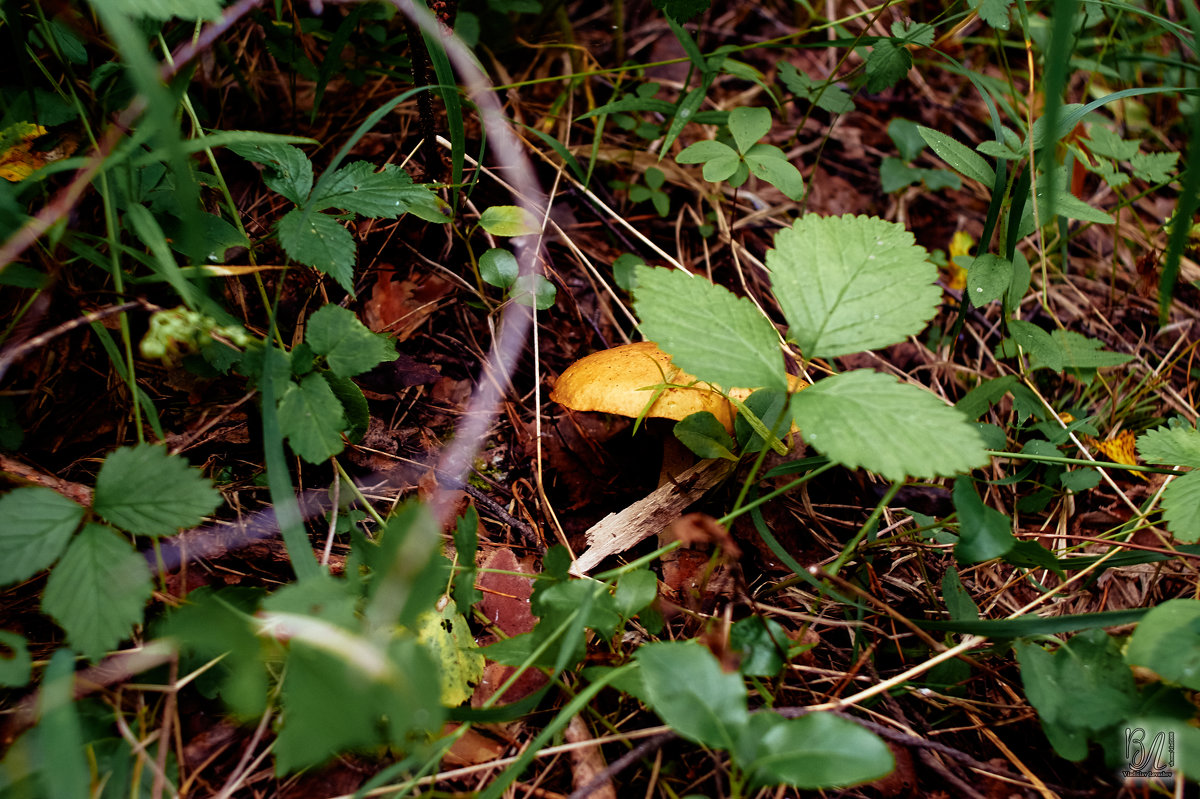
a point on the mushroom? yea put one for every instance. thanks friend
(621, 381)
(617, 381)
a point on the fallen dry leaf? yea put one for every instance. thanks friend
(400, 307)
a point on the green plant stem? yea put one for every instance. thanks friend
(1021, 456)
(358, 494)
(867, 526)
(727, 518)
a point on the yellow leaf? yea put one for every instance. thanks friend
(960, 244)
(1122, 448)
(448, 638)
(18, 159)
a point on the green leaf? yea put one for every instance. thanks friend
(98, 590)
(318, 240)
(291, 172)
(624, 269)
(499, 267)
(988, 277)
(993, 12)
(1037, 343)
(960, 157)
(817, 750)
(1175, 446)
(869, 419)
(708, 331)
(354, 405)
(311, 419)
(535, 291)
(767, 162)
(60, 746)
(1107, 144)
(1181, 507)
(1167, 641)
(333, 702)
(763, 644)
(691, 694)
(748, 125)
(163, 9)
(348, 346)
(894, 174)
(635, 590)
(146, 491)
(1079, 690)
(720, 160)
(218, 624)
(887, 64)
(907, 138)
(959, 603)
(851, 283)
(1081, 352)
(508, 220)
(681, 10)
(15, 667)
(386, 194)
(984, 533)
(1066, 205)
(35, 525)
(824, 95)
(705, 436)
(1154, 167)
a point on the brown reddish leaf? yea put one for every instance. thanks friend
(587, 761)
(506, 604)
(695, 582)
(400, 307)
(903, 779)
(700, 528)
(472, 748)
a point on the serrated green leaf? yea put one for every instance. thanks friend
(748, 125)
(1167, 641)
(386, 194)
(988, 277)
(1037, 343)
(767, 162)
(348, 346)
(146, 491)
(993, 12)
(869, 419)
(709, 332)
(959, 156)
(851, 283)
(290, 173)
(498, 267)
(817, 750)
(887, 64)
(690, 692)
(195, 10)
(624, 270)
(1103, 142)
(354, 405)
(984, 533)
(1154, 167)
(311, 419)
(35, 525)
(1174, 446)
(1081, 352)
(705, 436)
(1181, 507)
(508, 220)
(98, 590)
(318, 240)
(985, 395)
